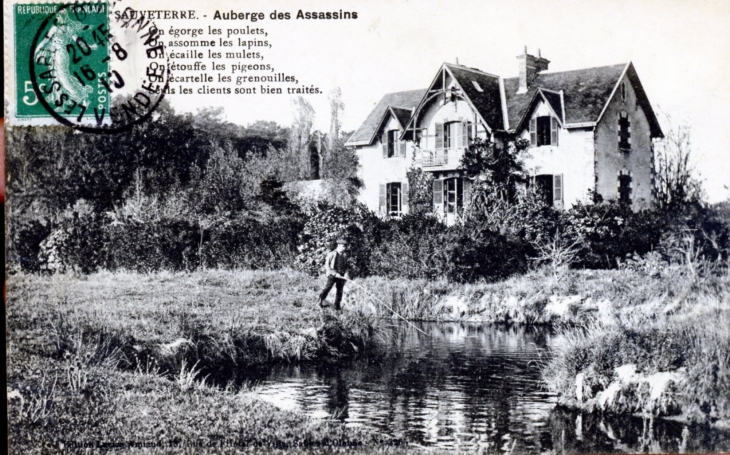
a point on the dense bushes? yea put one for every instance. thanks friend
(609, 232)
(94, 242)
(24, 244)
(497, 242)
(421, 246)
(357, 225)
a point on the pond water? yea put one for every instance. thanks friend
(467, 387)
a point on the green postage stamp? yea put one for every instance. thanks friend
(67, 61)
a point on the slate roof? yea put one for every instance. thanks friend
(586, 92)
(554, 100)
(488, 102)
(403, 100)
(403, 115)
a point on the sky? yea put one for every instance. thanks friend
(680, 48)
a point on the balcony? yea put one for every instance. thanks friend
(441, 158)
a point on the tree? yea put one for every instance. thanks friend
(676, 185)
(300, 135)
(336, 106)
(420, 190)
(496, 170)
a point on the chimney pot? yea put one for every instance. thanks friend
(530, 67)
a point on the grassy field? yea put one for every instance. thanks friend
(120, 358)
(144, 358)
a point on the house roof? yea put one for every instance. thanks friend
(401, 100)
(585, 91)
(585, 95)
(488, 101)
(555, 102)
(402, 115)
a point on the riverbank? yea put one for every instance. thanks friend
(126, 358)
(650, 338)
(136, 347)
(664, 353)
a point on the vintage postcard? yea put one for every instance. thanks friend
(357, 227)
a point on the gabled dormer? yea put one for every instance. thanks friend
(544, 118)
(391, 129)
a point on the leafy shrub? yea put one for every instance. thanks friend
(24, 244)
(93, 242)
(357, 225)
(610, 232)
(252, 244)
(475, 253)
(421, 246)
(704, 230)
(412, 247)
(165, 245)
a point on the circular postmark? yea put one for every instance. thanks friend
(85, 55)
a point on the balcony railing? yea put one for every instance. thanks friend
(433, 161)
(440, 157)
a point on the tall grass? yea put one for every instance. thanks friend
(666, 353)
(131, 357)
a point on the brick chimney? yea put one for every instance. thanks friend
(530, 67)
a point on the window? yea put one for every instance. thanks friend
(544, 131)
(624, 187)
(453, 135)
(623, 91)
(550, 188)
(624, 131)
(394, 198)
(449, 193)
(391, 145)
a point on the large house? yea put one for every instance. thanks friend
(590, 129)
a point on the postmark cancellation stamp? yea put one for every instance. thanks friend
(67, 62)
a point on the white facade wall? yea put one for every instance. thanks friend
(437, 112)
(376, 170)
(573, 157)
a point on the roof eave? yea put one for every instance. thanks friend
(357, 143)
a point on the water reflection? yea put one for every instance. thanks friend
(468, 387)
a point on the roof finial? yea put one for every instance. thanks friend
(457, 60)
(538, 53)
(525, 49)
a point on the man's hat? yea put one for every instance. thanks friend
(342, 241)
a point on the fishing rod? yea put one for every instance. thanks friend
(386, 306)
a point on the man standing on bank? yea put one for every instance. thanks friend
(336, 268)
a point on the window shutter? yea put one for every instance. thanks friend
(438, 192)
(439, 136)
(533, 131)
(404, 197)
(402, 148)
(467, 192)
(558, 190)
(382, 198)
(384, 140)
(553, 131)
(465, 134)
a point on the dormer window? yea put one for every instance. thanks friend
(544, 131)
(624, 132)
(391, 145)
